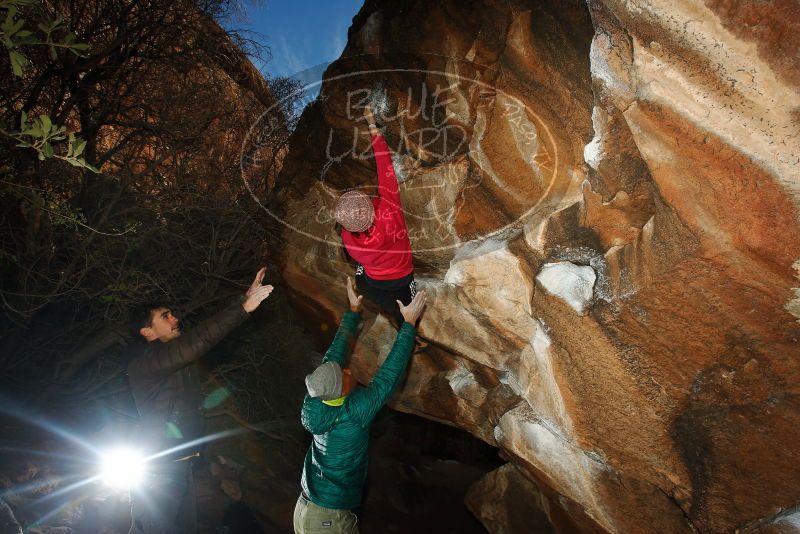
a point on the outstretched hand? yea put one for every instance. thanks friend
(414, 309)
(256, 293)
(355, 299)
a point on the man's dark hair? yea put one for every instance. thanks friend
(142, 317)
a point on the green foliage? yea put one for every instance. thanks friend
(40, 133)
(17, 62)
(14, 35)
(65, 214)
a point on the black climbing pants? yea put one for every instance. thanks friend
(385, 293)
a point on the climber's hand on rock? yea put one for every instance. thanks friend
(369, 114)
(413, 311)
(355, 299)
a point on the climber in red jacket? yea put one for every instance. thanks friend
(374, 234)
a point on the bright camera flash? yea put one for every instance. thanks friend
(122, 468)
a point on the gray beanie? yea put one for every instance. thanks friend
(325, 382)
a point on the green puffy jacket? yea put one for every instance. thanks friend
(336, 463)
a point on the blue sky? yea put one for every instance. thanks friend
(301, 33)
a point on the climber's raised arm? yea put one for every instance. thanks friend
(388, 187)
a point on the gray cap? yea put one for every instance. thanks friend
(325, 382)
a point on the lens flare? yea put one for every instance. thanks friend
(122, 468)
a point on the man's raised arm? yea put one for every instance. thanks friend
(340, 347)
(166, 358)
(368, 401)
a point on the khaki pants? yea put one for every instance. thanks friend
(312, 519)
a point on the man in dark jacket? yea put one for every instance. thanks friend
(166, 388)
(339, 417)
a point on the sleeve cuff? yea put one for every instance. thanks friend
(240, 312)
(408, 329)
(351, 319)
(378, 139)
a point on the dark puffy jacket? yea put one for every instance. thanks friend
(336, 463)
(166, 386)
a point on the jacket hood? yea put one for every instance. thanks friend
(318, 417)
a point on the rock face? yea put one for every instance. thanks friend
(603, 202)
(573, 283)
(506, 502)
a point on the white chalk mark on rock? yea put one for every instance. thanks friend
(574, 284)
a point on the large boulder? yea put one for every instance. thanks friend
(603, 202)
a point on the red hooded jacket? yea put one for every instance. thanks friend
(384, 249)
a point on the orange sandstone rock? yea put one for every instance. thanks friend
(654, 144)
